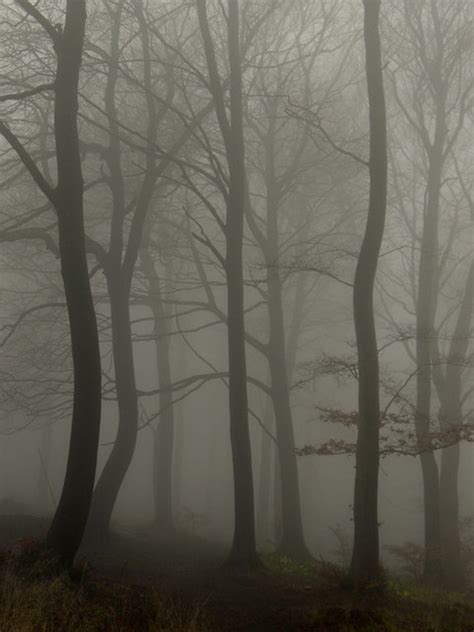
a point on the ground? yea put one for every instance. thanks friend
(140, 582)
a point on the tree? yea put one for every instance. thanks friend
(449, 386)
(164, 432)
(243, 552)
(433, 99)
(365, 556)
(67, 528)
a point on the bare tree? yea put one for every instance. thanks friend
(365, 557)
(243, 551)
(66, 531)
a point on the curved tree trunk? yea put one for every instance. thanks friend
(116, 467)
(365, 557)
(67, 528)
(68, 525)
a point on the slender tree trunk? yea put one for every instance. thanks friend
(178, 444)
(67, 528)
(264, 478)
(425, 337)
(365, 557)
(163, 483)
(211, 475)
(243, 546)
(116, 467)
(165, 439)
(292, 543)
(243, 551)
(296, 325)
(277, 499)
(47, 500)
(451, 417)
(164, 433)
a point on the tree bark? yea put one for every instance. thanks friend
(67, 528)
(243, 551)
(116, 467)
(365, 557)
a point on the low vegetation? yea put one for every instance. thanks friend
(282, 596)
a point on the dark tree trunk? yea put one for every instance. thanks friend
(365, 558)
(116, 467)
(67, 528)
(243, 552)
(243, 546)
(118, 273)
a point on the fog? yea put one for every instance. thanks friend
(237, 280)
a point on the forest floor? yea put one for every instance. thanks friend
(147, 584)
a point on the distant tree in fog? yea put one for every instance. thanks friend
(433, 89)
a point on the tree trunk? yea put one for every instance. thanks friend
(264, 478)
(243, 551)
(178, 444)
(116, 467)
(365, 557)
(163, 483)
(46, 498)
(164, 433)
(277, 509)
(292, 542)
(68, 525)
(451, 417)
(425, 336)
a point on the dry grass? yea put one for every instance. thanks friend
(284, 596)
(33, 601)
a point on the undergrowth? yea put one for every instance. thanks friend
(294, 596)
(33, 600)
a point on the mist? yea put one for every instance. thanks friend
(237, 294)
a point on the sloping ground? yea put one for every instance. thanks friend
(272, 600)
(145, 583)
(19, 527)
